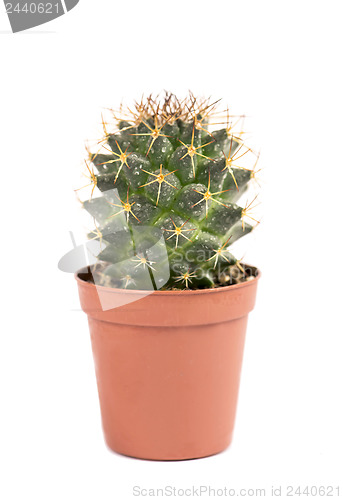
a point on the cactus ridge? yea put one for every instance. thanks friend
(163, 167)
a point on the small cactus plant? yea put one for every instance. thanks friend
(164, 170)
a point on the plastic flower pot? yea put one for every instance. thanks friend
(168, 366)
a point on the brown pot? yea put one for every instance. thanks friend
(168, 366)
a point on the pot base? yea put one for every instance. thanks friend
(168, 458)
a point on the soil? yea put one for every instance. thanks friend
(236, 274)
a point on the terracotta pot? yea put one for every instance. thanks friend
(168, 366)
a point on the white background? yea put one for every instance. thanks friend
(280, 63)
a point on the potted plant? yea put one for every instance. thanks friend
(166, 300)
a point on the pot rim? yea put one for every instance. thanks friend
(201, 291)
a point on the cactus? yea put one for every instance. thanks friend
(163, 170)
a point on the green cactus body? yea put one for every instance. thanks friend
(165, 171)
